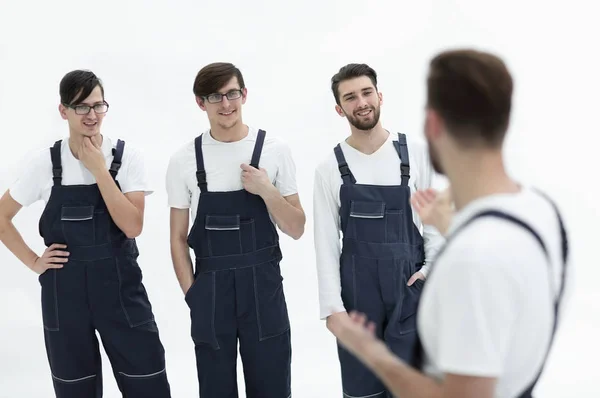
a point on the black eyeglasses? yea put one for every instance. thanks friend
(85, 109)
(218, 97)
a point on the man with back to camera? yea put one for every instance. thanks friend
(240, 184)
(363, 188)
(94, 189)
(491, 306)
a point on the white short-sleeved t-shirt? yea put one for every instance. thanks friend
(487, 307)
(35, 180)
(222, 161)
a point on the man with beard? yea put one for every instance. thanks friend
(490, 310)
(363, 189)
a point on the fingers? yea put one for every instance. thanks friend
(414, 277)
(55, 246)
(246, 167)
(53, 266)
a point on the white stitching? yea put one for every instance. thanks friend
(143, 376)
(365, 396)
(74, 380)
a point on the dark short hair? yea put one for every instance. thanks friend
(472, 92)
(351, 71)
(214, 76)
(77, 85)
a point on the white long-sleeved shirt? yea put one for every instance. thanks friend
(380, 168)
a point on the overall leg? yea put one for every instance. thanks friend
(264, 328)
(361, 291)
(214, 331)
(71, 343)
(124, 319)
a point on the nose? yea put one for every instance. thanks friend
(361, 103)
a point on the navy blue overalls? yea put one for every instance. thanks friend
(528, 393)
(381, 250)
(238, 293)
(99, 288)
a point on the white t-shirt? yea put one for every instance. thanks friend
(35, 180)
(380, 168)
(222, 162)
(487, 308)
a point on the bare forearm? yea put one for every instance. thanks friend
(182, 262)
(124, 213)
(14, 242)
(402, 380)
(290, 219)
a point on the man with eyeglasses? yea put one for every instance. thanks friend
(240, 185)
(94, 190)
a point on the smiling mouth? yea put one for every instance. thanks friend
(227, 113)
(90, 124)
(364, 113)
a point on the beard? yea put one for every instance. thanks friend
(434, 159)
(365, 125)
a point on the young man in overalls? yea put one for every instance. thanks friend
(491, 306)
(240, 185)
(363, 189)
(94, 189)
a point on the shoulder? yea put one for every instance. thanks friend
(184, 152)
(273, 142)
(327, 166)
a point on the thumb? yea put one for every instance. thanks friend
(411, 280)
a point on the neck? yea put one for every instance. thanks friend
(76, 140)
(478, 175)
(369, 141)
(236, 133)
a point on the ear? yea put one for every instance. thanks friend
(63, 111)
(200, 103)
(380, 95)
(244, 95)
(340, 111)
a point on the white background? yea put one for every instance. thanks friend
(148, 52)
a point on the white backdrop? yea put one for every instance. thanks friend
(148, 52)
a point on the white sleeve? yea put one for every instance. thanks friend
(135, 179)
(476, 307)
(432, 238)
(178, 194)
(34, 176)
(285, 180)
(327, 247)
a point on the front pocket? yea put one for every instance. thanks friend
(271, 308)
(78, 225)
(133, 295)
(367, 221)
(48, 283)
(406, 321)
(229, 235)
(201, 299)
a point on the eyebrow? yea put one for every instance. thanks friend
(353, 92)
(86, 104)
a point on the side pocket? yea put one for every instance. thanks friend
(348, 282)
(201, 299)
(133, 295)
(48, 282)
(271, 307)
(78, 225)
(401, 333)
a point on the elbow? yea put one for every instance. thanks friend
(297, 230)
(134, 231)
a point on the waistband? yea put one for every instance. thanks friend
(383, 250)
(102, 252)
(237, 261)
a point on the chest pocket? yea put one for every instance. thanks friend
(78, 225)
(229, 235)
(374, 222)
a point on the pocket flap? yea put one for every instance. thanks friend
(367, 209)
(77, 213)
(222, 223)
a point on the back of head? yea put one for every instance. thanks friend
(472, 93)
(77, 85)
(211, 78)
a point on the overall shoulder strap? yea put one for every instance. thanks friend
(56, 162)
(117, 158)
(347, 176)
(402, 149)
(200, 172)
(260, 140)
